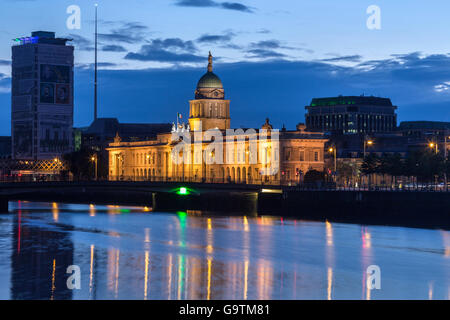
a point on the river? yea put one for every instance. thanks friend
(133, 253)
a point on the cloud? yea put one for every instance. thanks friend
(5, 62)
(276, 44)
(264, 31)
(266, 44)
(443, 87)
(215, 38)
(353, 58)
(113, 48)
(214, 4)
(167, 50)
(100, 65)
(81, 43)
(127, 32)
(266, 49)
(273, 88)
(263, 53)
(235, 6)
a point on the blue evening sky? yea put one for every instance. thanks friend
(272, 56)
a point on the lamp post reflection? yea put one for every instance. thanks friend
(430, 291)
(55, 212)
(91, 271)
(209, 251)
(91, 210)
(329, 252)
(246, 255)
(366, 252)
(146, 276)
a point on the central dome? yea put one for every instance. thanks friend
(209, 86)
(209, 80)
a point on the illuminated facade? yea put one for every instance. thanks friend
(217, 153)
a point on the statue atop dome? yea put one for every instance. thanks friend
(210, 62)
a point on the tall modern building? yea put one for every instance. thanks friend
(42, 96)
(351, 114)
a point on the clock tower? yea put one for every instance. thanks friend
(209, 110)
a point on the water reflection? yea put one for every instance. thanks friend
(366, 259)
(38, 266)
(329, 256)
(134, 253)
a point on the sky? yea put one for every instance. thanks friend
(273, 56)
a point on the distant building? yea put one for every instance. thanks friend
(424, 129)
(5, 147)
(42, 97)
(102, 131)
(351, 115)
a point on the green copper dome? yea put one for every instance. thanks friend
(210, 80)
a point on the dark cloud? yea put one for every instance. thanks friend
(353, 58)
(113, 48)
(196, 3)
(231, 46)
(81, 43)
(266, 44)
(275, 88)
(210, 3)
(266, 49)
(264, 53)
(215, 38)
(91, 66)
(235, 6)
(127, 32)
(275, 44)
(167, 50)
(5, 62)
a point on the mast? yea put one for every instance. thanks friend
(95, 67)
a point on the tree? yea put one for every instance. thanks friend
(396, 167)
(425, 165)
(346, 171)
(80, 164)
(370, 165)
(314, 177)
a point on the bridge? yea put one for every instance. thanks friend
(407, 208)
(166, 196)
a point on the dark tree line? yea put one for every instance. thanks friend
(82, 167)
(426, 166)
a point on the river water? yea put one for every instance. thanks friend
(134, 253)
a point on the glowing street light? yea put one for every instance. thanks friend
(94, 160)
(367, 143)
(333, 151)
(434, 146)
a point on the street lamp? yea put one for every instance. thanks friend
(95, 161)
(434, 146)
(333, 150)
(367, 143)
